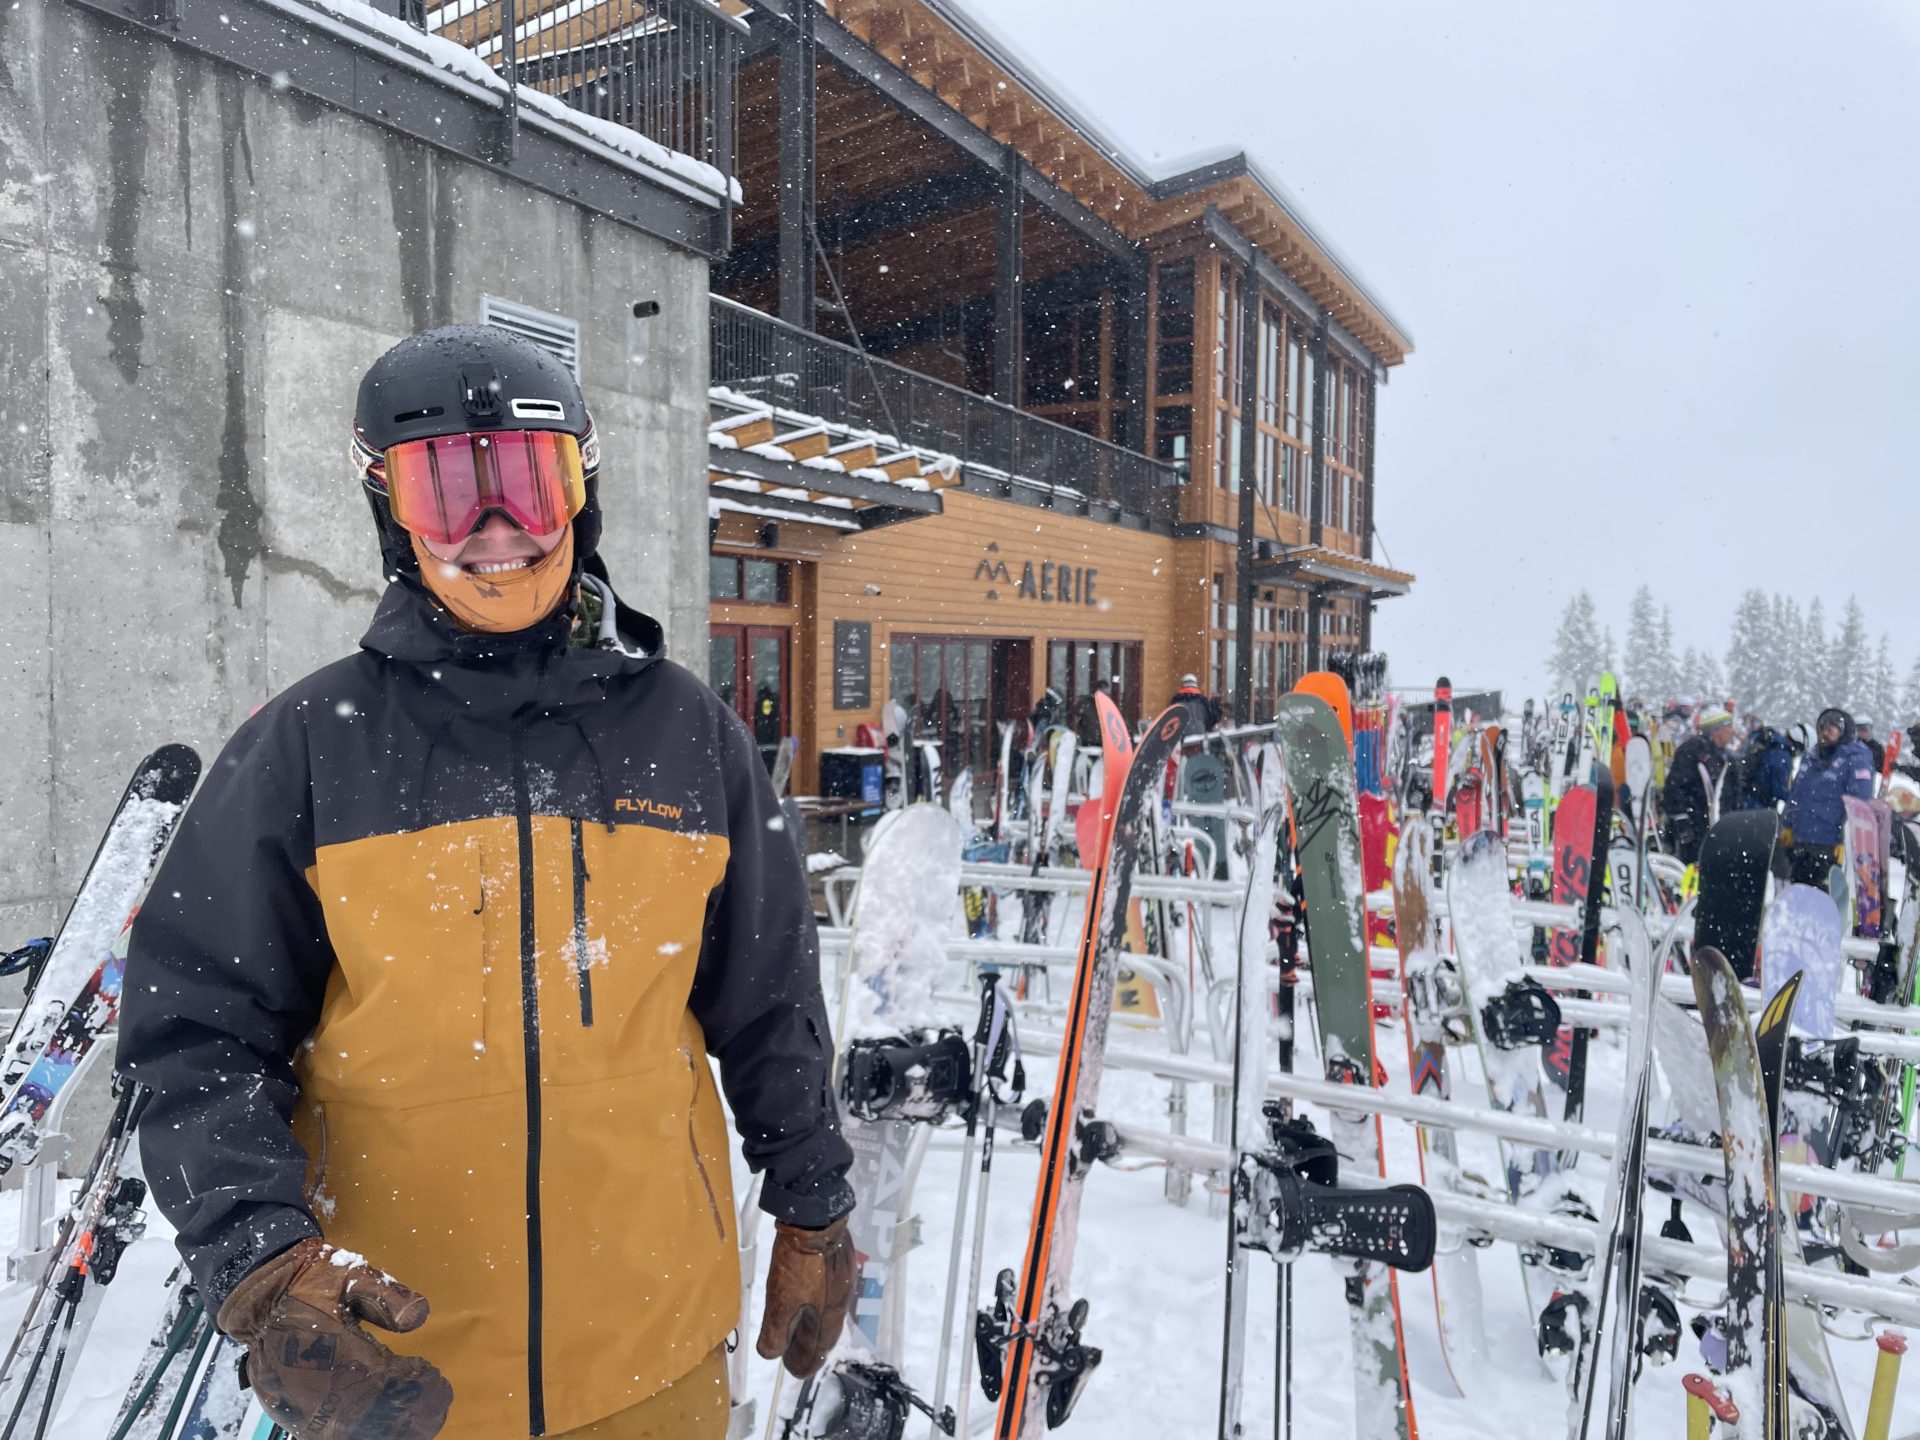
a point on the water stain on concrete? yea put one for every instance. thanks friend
(126, 98)
(240, 534)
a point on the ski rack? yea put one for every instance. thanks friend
(1501, 1221)
(1168, 979)
(34, 1241)
(1562, 917)
(1892, 1197)
(1058, 879)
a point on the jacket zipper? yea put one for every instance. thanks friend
(582, 963)
(693, 1143)
(530, 1034)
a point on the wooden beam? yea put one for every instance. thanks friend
(751, 432)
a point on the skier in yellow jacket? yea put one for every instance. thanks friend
(433, 970)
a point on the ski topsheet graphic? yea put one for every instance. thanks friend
(1327, 826)
(76, 993)
(1045, 1362)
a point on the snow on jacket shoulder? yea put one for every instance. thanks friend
(434, 965)
(1815, 812)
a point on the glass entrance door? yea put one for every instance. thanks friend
(747, 668)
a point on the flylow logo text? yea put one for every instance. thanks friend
(648, 807)
(1052, 581)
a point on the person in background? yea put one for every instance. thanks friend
(1190, 693)
(1049, 710)
(1687, 799)
(1863, 732)
(1763, 775)
(1837, 766)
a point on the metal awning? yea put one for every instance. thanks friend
(1330, 572)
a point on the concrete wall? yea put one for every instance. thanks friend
(195, 268)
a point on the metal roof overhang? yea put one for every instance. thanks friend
(1329, 572)
(875, 502)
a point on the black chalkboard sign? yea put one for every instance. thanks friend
(852, 664)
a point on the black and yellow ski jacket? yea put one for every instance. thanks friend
(434, 966)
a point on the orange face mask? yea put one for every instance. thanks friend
(499, 604)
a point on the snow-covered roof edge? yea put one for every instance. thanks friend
(458, 68)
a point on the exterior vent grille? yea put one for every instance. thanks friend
(557, 335)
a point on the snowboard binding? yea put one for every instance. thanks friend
(924, 1077)
(1288, 1200)
(875, 1404)
(1437, 1000)
(1559, 1259)
(1563, 1327)
(1062, 1362)
(1523, 1014)
(1659, 1321)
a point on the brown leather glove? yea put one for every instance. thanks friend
(315, 1370)
(809, 1288)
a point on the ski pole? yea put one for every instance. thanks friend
(989, 983)
(1886, 1375)
(1707, 1403)
(208, 1336)
(176, 1341)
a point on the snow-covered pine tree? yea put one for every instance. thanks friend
(1608, 654)
(1786, 643)
(1640, 665)
(1713, 681)
(1816, 662)
(1577, 658)
(1884, 690)
(1664, 682)
(1850, 674)
(1909, 710)
(1687, 676)
(1752, 655)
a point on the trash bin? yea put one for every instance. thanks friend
(852, 772)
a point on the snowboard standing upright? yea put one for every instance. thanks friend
(1327, 826)
(1756, 1302)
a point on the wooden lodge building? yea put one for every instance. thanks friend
(994, 409)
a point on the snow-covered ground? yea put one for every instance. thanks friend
(1152, 1273)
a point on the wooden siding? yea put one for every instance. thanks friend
(927, 575)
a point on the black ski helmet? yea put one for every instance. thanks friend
(454, 380)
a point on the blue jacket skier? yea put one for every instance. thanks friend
(1837, 766)
(1764, 774)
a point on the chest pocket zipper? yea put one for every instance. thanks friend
(582, 961)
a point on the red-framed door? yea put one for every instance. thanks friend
(748, 667)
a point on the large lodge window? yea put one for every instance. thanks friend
(1075, 667)
(1173, 324)
(944, 683)
(1173, 361)
(737, 578)
(1279, 646)
(1345, 419)
(1226, 380)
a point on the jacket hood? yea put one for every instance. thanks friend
(1833, 715)
(410, 625)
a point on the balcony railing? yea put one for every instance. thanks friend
(664, 68)
(769, 360)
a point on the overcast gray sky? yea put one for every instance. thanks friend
(1658, 260)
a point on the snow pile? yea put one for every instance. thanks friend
(903, 915)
